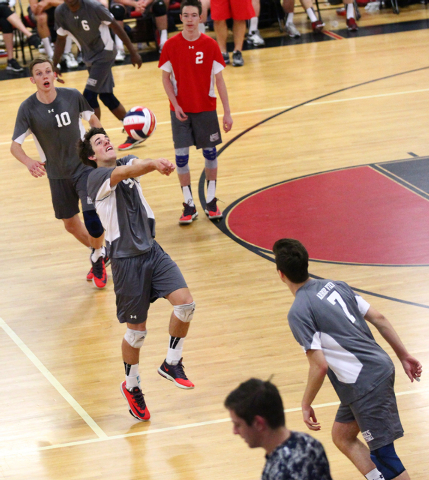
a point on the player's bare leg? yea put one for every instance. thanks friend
(75, 226)
(190, 212)
(221, 30)
(119, 112)
(130, 388)
(345, 438)
(172, 367)
(239, 30)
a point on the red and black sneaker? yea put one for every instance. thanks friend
(212, 210)
(189, 214)
(90, 274)
(352, 25)
(135, 399)
(130, 143)
(99, 275)
(176, 374)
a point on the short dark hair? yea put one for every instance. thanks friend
(85, 148)
(256, 397)
(36, 61)
(291, 259)
(191, 3)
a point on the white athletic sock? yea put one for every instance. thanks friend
(311, 15)
(175, 349)
(211, 190)
(97, 253)
(253, 24)
(187, 195)
(68, 46)
(119, 43)
(289, 18)
(202, 27)
(133, 377)
(47, 45)
(164, 37)
(374, 475)
(350, 11)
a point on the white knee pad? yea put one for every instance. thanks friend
(185, 312)
(135, 338)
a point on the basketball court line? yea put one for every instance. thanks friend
(101, 435)
(52, 380)
(271, 109)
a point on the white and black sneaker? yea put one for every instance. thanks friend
(237, 59)
(13, 66)
(70, 61)
(255, 39)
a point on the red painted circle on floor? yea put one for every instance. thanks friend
(356, 215)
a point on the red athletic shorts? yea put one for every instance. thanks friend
(236, 9)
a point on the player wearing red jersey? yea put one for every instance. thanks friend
(191, 64)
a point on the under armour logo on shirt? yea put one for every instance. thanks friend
(76, 18)
(191, 47)
(50, 111)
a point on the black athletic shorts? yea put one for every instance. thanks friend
(199, 129)
(67, 192)
(141, 280)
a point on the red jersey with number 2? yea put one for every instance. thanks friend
(192, 67)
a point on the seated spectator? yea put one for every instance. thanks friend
(288, 7)
(254, 38)
(8, 21)
(122, 9)
(43, 14)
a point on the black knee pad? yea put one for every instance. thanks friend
(93, 223)
(118, 11)
(158, 8)
(109, 100)
(91, 98)
(387, 462)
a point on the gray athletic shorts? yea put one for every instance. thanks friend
(66, 193)
(377, 415)
(141, 280)
(199, 129)
(100, 78)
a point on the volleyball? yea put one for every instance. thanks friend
(139, 123)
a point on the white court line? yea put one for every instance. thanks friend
(53, 381)
(366, 97)
(104, 437)
(288, 106)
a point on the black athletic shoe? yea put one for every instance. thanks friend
(34, 40)
(212, 210)
(14, 66)
(189, 214)
(176, 374)
(99, 275)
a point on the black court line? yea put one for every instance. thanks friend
(221, 225)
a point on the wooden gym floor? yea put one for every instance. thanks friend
(61, 413)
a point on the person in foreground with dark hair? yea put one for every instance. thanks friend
(257, 414)
(142, 271)
(328, 320)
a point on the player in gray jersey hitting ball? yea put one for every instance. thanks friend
(142, 271)
(54, 117)
(328, 320)
(88, 22)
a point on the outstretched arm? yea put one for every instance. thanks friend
(223, 94)
(140, 167)
(412, 366)
(316, 376)
(36, 168)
